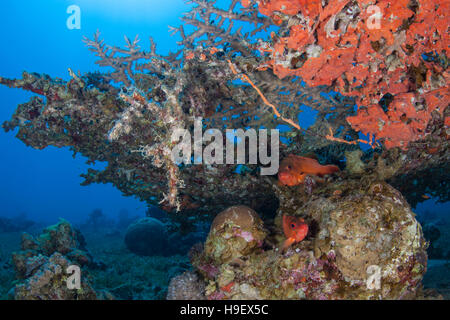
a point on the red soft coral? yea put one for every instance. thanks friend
(367, 49)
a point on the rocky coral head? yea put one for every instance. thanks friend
(242, 216)
(235, 232)
(42, 266)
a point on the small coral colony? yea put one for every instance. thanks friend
(335, 222)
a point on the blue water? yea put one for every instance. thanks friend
(45, 184)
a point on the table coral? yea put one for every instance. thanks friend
(125, 117)
(392, 81)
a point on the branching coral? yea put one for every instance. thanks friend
(167, 120)
(130, 64)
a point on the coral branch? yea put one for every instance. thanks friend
(245, 78)
(331, 137)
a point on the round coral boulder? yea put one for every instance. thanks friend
(377, 245)
(147, 237)
(235, 232)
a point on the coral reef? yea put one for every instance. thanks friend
(46, 280)
(130, 127)
(361, 229)
(364, 67)
(124, 274)
(41, 266)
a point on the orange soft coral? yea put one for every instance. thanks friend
(368, 49)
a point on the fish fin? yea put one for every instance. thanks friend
(301, 178)
(332, 168)
(328, 169)
(288, 242)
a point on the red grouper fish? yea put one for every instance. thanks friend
(295, 229)
(294, 169)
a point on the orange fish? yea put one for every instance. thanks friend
(295, 229)
(294, 169)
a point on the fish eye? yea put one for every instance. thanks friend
(292, 225)
(289, 167)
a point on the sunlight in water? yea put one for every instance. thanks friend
(155, 10)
